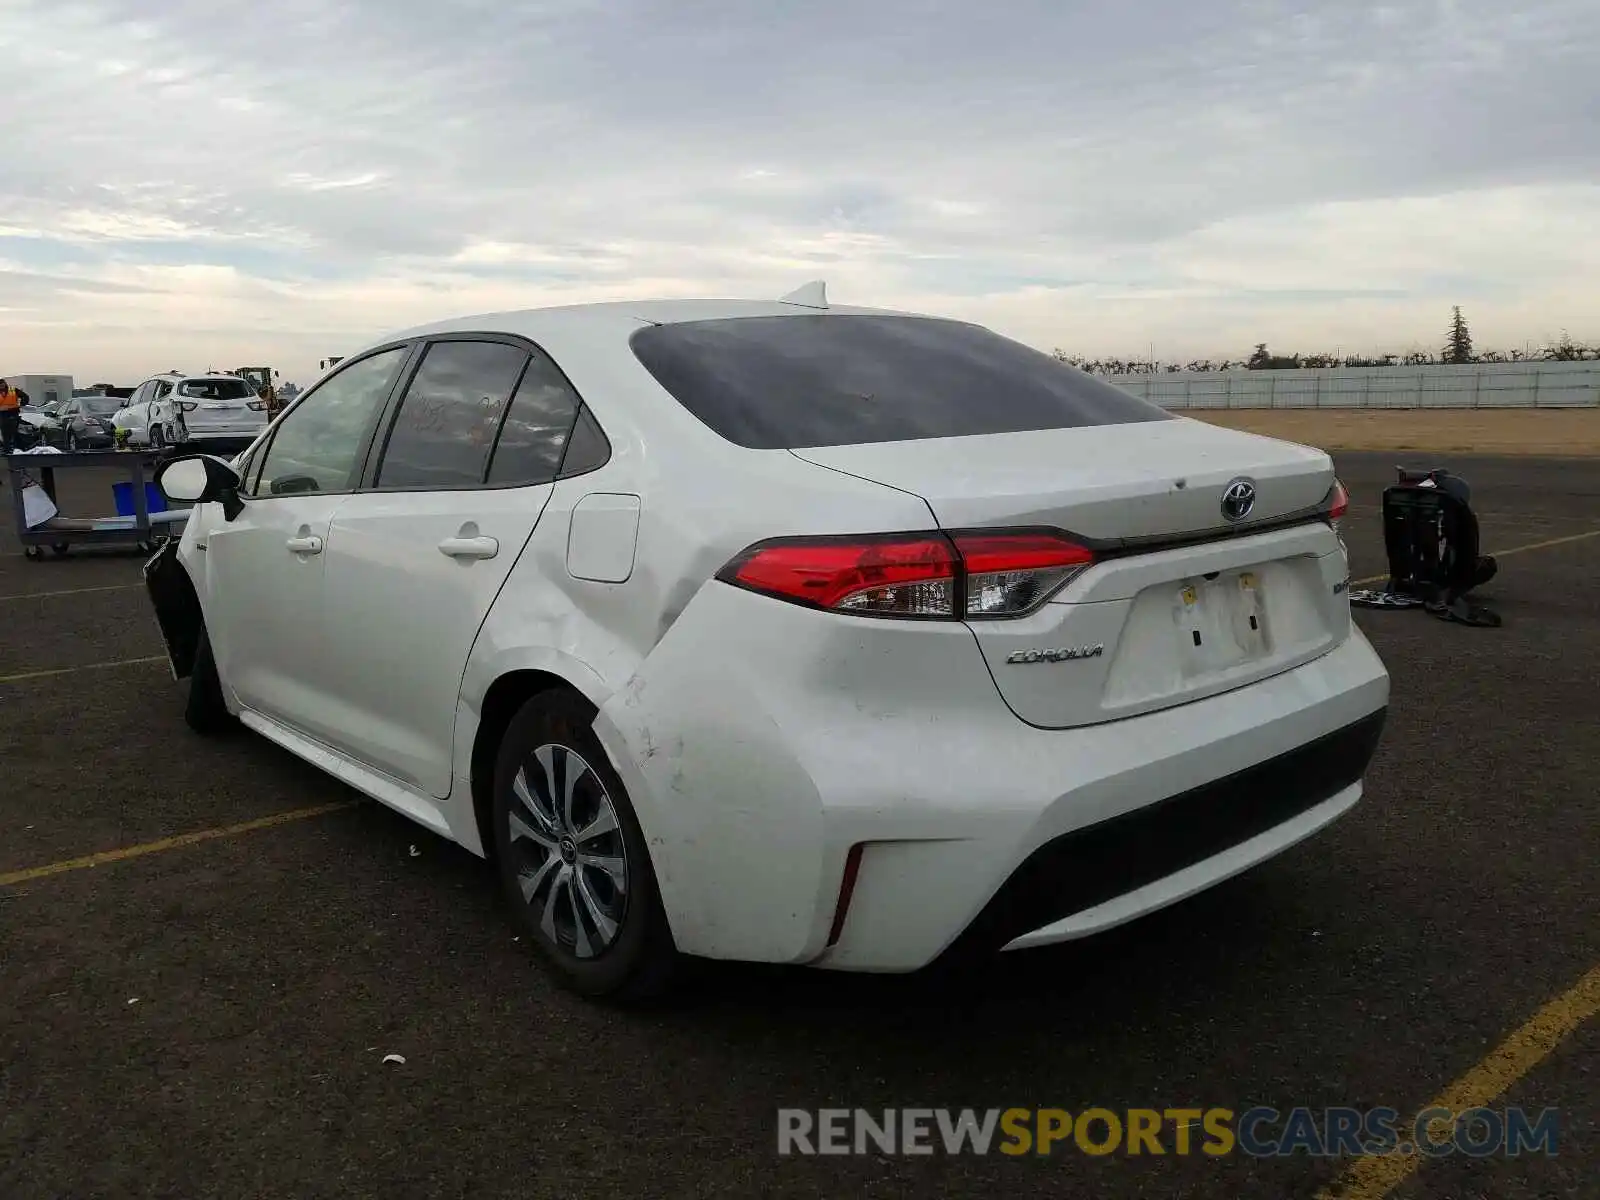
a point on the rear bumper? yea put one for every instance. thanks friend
(225, 435)
(1101, 875)
(761, 744)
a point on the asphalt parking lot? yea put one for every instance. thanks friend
(211, 1018)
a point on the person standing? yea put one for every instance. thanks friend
(10, 417)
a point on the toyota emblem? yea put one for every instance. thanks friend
(1238, 498)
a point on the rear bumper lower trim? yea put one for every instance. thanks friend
(1099, 863)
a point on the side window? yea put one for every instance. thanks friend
(442, 435)
(536, 429)
(163, 389)
(587, 449)
(319, 446)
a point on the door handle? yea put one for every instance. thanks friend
(311, 544)
(469, 547)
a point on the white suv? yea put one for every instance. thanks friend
(773, 631)
(174, 409)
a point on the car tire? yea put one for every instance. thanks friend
(206, 711)
(72, 441)
(157, 440)
(619, 946)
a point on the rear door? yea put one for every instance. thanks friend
(459, 481)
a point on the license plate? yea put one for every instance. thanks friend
(219, 407)
(1222, 622)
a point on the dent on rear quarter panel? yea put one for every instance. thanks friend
(677, 725)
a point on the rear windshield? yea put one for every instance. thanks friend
(101, 405)
(215, 389)
(773, 383)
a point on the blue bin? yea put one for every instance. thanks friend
(123, 493)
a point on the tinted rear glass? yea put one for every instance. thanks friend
(792, 382)
(216, 389)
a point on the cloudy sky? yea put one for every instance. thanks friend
(196, 183)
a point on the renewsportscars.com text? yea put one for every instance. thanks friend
(1260, 1132)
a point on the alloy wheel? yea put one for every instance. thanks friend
(571, 863)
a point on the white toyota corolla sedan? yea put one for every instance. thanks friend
(780, 631)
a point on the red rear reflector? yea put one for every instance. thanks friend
(847, 889)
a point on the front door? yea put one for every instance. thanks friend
(265, 575)
(265, 569)
(416, 561)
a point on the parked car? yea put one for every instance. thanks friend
(79, 423)
(780, 632)
(177, 409)
(132, 421)
(30, 429)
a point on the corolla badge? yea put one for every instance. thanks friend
(1238, 498)
(1058, 654)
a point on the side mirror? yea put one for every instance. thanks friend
(200, 479)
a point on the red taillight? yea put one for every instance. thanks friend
(911, 576)
(255, 405)
(188, 405)
(920, 575)
(1338, 502)
(1009, 574)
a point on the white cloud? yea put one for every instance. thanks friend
(193, 180)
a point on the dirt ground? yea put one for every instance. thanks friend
(1563, 432)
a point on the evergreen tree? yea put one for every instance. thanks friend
(1458, 347)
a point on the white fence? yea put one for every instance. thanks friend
(1478, 385)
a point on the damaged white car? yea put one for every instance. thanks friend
(781, 631)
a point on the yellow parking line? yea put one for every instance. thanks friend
(109, 587)
(1374, 1178)
(99, 666)
(172, 843)
(1560, 541)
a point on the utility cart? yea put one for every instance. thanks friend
(140, 528)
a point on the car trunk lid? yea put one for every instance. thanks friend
(1183, 601)
(1155, 480)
